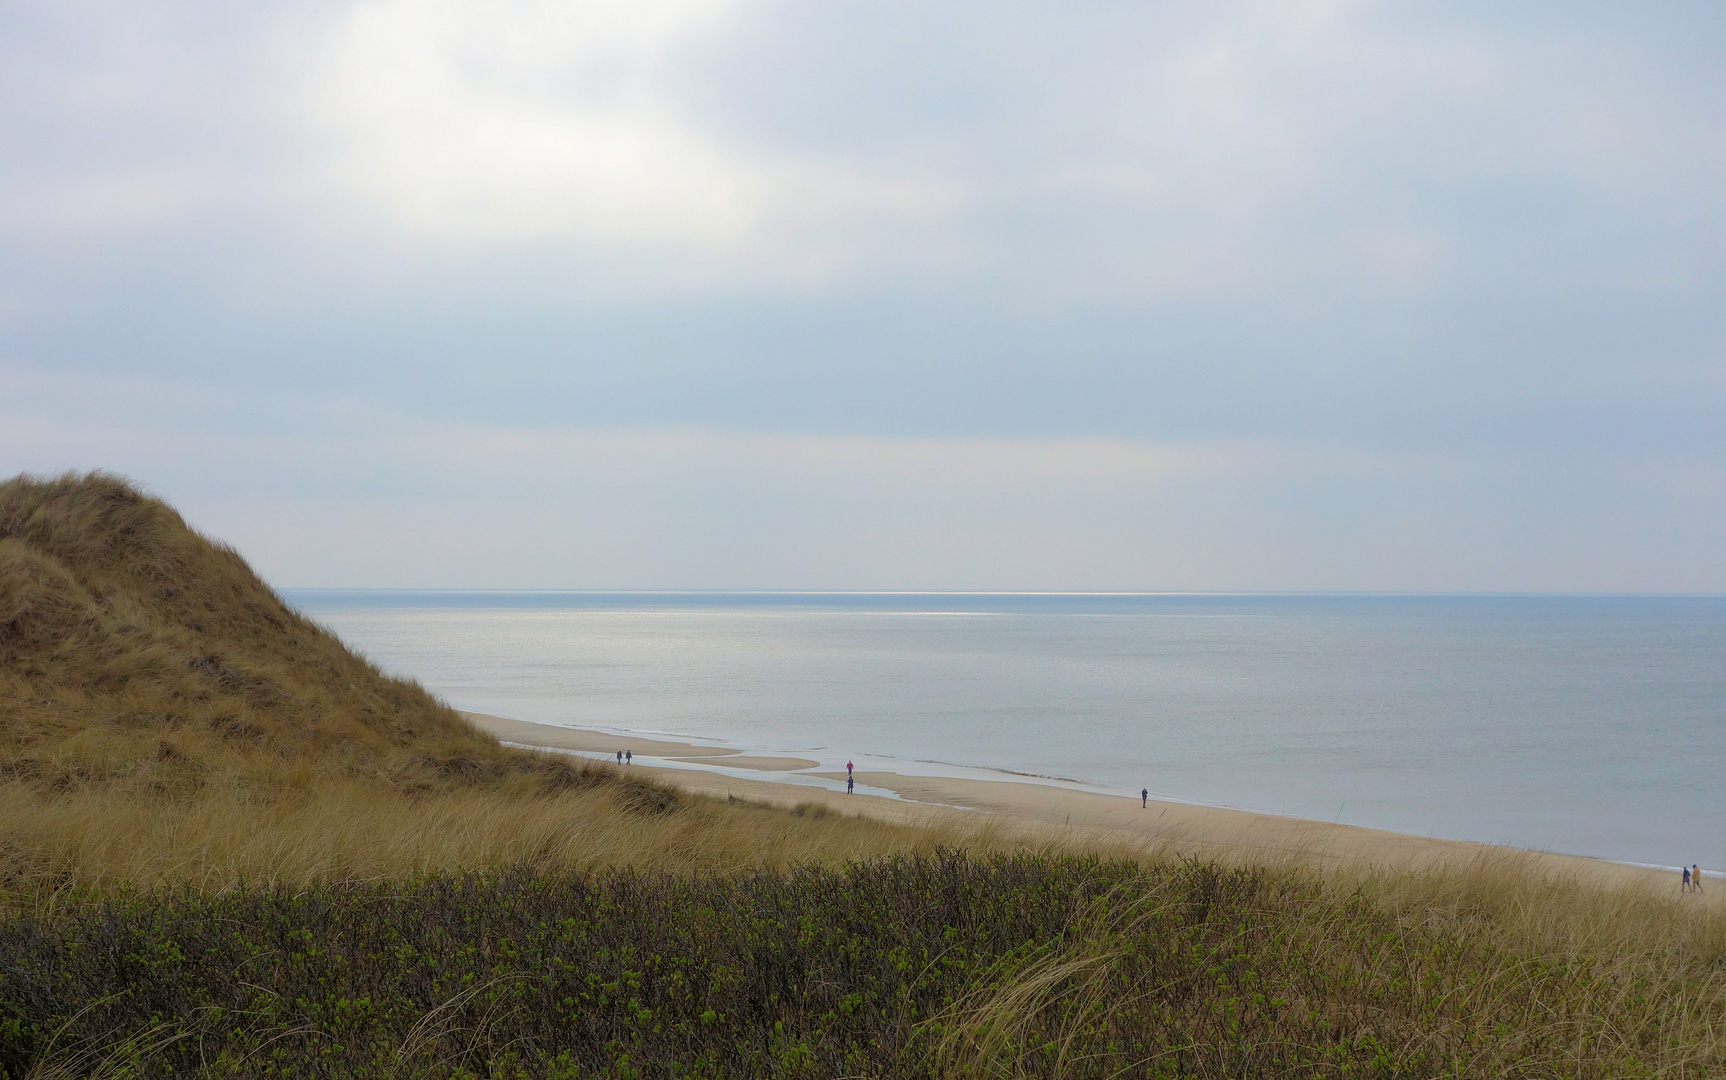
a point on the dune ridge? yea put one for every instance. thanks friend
(166, 717)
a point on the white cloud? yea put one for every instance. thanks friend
(527, 119)
(1106, 154)
(106, 204)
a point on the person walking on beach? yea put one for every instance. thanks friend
(847, 770)
(850, 783)
(620, 757)
(1686, 885)
(1145, 798)
(629, 757)
(1695, 877)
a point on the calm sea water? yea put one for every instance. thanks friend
(1588, 725)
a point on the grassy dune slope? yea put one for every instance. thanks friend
(164, 716)
(121, 626)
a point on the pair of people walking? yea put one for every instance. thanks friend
(1692, 878)
(625, 757)
(850, 781)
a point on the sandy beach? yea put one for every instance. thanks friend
(1039, 806)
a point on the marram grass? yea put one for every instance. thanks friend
(941, 965)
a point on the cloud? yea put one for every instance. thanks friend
(1099, 154)
(322, 495)
(1251, 293)
(527, 119)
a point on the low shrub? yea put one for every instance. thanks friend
(912, 966)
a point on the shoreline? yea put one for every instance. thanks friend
(1037, 804)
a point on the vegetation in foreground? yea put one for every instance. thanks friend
(899, 967)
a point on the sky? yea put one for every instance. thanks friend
(1283, 295)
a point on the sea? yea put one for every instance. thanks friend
(1591, 725)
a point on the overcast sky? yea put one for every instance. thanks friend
(845, 294)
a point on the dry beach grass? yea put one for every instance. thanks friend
(165, 718)
(230, 847)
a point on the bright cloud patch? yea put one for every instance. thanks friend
(525, 119)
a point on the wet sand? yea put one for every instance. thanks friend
(594, 742)
(749, 761)
(1048, 809)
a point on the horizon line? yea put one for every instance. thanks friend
(1003, 592)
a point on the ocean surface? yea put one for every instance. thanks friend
(1589, 725)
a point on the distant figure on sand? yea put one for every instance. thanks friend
(849, 783)
(1696, 877)
(847, 769)
(629, 757)
(1145, 797)
(1686, 885)
(620, 757)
